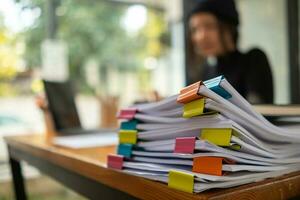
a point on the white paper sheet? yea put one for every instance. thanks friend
(87, 140)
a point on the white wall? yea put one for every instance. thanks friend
(264, 25)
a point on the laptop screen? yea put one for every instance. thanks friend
(61, 104)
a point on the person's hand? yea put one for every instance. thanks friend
(41, 102)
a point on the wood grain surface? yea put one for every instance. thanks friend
(91, 163)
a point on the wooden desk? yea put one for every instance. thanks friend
(278, 110)
(84, 171)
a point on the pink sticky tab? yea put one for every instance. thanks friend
(115, 161)
(185, 145)
(127, 113)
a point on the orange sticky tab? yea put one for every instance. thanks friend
(208, 165)
(190, 93)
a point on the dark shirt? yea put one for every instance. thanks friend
(249, 73)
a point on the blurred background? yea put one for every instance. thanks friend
(129, 50)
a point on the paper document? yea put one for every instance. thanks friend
(87, 140)
(207, 136)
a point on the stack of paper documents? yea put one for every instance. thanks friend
(207, 136)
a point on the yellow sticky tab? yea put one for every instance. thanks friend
(127, 136)
(193, 108)
(235, 147)
(181, 181)
(217, 136)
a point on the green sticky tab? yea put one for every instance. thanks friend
(127, 136)
(130, 125)
(125, 150)
(193, 108)
(217, 136)
(235, 147)
(181, 181)
(215, 85)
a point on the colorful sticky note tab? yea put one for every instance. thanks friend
(115, 161)
(125, 150)
(127, 136)
(235, 147)
(128, 113)
(181, 181)
(185, 145)
(208, 165)
(214, 85)
(189, 93)
(193, 108)
(129, 125)
(217, 136)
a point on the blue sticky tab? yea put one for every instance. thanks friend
(129, 125)
(214, 85)
(125, 150)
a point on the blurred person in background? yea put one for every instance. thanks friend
(213, 36)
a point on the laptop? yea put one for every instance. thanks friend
(61, 103)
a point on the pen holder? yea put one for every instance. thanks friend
(109, 108)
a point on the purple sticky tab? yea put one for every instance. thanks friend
(128, 113)
(115, 161)
(185, 145)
